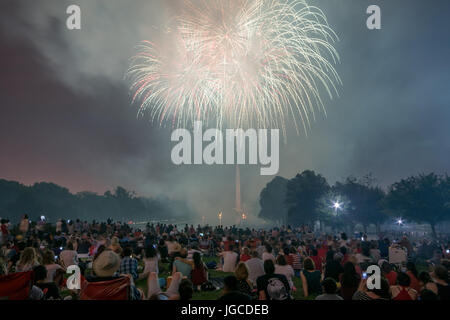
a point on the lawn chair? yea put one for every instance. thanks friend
(16, 286)
(116, 289)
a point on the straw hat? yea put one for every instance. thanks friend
(106, 264)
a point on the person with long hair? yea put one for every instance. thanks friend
(28, 260)
(311, 278)
(54, 270)
(350, 280)
(283, 268)
(199, 273)
(244, 285)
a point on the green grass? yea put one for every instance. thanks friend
(214, 295)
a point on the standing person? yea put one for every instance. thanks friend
(24, 224)
(59, 226)
(255, 267)
(4, 232)
(272, 286)
(229, 259)
(310, 278)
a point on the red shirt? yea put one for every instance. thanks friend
(4, 230)
(317, 262)
(414, 281)
(245, 257)
(392, 278)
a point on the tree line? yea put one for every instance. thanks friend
(308, 197)
(56, 202)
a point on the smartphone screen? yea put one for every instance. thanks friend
(365, 275)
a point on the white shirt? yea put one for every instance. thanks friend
(255, 269)
(287, 271)
(268, 256)
(68, 257)
(229, 261)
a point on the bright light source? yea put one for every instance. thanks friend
(42, 218)
(399, 221)
(337, 205)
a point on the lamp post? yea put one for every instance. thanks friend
(220, 218)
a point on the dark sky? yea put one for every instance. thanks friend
(65, 113)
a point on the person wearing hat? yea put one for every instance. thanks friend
(106, 267)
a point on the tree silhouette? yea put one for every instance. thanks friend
(304, 197)
(422, 198)
(365, 200)
(273, 200)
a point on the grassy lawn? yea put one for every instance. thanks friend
(214, 295)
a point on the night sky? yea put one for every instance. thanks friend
(66, 117)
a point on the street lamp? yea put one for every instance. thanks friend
(220, 218)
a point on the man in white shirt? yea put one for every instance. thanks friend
(229, 260)
(255, 267)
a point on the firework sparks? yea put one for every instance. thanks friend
(238, 63)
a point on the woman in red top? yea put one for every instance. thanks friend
(389, 274)
(403, 291)
(199, 275)
(245, 254)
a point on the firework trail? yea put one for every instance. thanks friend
(239, 64)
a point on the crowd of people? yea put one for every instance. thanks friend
(257, 264)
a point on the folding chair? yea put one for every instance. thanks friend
(116, 289)
(16, 286)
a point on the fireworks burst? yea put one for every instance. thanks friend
(238, 63)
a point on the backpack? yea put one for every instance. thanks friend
(276, 289)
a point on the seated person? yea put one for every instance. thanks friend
(106, 267)
(231, 291)
(49, 289)
(272, 286)
(329, 287)
(178, 289)
(403, 291)
(181, 265)
(310, 278)
(129, 264)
